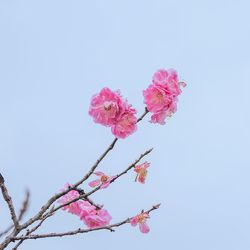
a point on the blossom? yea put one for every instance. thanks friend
(103, 180)
(91, 215)
(141, 219)
(106, 106)
(110, 109)
(74, 207)
(126, 123)
(157, 98)
(141, 171)
(96, 218)
(169, 78)
(161, 97)
(86, 208)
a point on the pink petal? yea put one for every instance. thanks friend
(95, 183)
(98, 173)
(134, 221)
(105, 185)
(144, 228)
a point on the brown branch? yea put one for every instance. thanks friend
(84, 196)
(9, 202)
(17, 245)
(25, 205)
(57, 196)
(22, 211)
(40, 215)
(80, 231)
(143, 115)
(29, 232)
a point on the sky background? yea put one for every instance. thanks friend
(54, 55)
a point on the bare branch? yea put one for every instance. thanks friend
(84, 196)
(57, 196)
(81, 231)
(143, 115)
(22, 211)
(42, 215)
(9, 202)
(25, 205)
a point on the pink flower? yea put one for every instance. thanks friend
(169, 78)
(86, 208)
(106, 106)
(161, 96)
(109, 109)
(141, 220)
(157, 98)
(141, 171)
(74, 207)
(96, 218)
(104, 180)
(126, 123)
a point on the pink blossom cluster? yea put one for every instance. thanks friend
(141, 219)
(92, 216)
(109, 109)
(141, 171)
(161, 97)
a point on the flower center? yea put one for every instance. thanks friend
(104, 178)
(143, 172)
(107, 106)
(141, 218)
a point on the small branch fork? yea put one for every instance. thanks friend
(48, 209)
(22, 212)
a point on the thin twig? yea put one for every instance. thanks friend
(143, 115)
(22, 211)
(25, 205)
(80, 231)
(9, 202)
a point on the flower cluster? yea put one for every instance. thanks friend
(109, 109)
(141, 220)
(92, 216)
(142, 172)
(161, 97)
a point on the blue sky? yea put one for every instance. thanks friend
(54, 55)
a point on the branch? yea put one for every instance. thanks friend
(25, 205)
(22, 211)
(84, 196)
(80, 231)
(57, 196)
(9, 202)
(143, 115)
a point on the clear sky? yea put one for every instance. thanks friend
(54, 55)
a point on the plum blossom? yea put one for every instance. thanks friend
(141, 171)
(103, 181)
(74, 207)
(141, 219)
(161, 97)
(126, 124)
(91, 215)
(106, 107)
(110, 109)
(94, 218)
